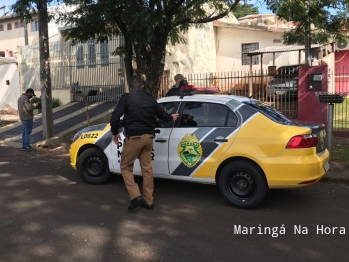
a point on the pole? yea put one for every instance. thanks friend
(250, 80)
(45, 74)
(330, 129)
(25, 33)
(308, 37)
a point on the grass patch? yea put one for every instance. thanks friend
(340, 152)
(341, 115)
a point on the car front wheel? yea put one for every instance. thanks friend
(242, 184)
(93, 166)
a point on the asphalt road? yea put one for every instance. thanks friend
(47, 213)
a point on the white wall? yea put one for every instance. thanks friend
(9, 94)
(229, 50)
(198, 56)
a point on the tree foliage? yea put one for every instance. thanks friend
(146, 25)
(242, 10)
(328, 17)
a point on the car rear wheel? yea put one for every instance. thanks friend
(242, 184)
(93, 166)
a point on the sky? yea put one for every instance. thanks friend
(7, 3)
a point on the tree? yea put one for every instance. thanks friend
(146, 25)
(329, 18)
(25, 9)
(242, 10)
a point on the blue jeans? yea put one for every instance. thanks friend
(27, 127)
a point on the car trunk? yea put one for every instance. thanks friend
(316, 129)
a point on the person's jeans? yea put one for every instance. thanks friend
(27, 127)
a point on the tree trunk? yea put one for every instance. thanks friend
(153, 63)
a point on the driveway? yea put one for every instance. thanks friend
(49, 214)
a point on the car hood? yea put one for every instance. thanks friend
(89, 129)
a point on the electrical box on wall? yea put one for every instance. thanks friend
(315, 81)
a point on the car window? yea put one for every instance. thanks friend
(232, 119)
(169, 107)
(287, 70)
(268, 111)
(203, 114)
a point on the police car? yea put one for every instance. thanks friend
(242, 145)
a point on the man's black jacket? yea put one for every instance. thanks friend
(174, 91)
(139, 109)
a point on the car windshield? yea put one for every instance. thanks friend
(287, 71)
(268, 111)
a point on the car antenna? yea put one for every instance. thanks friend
(251, 96)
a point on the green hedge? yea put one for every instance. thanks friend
(56, 102)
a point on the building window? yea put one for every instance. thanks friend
(2, 53)
(35, 26)
(21, 24)
(91, 53)
(80, 61)
(245, 59)
(17, 25)
(1, 28)
(104, 53)
(10, 53)
(9, 26)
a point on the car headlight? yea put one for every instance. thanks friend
(76, 136)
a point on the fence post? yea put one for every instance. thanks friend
(250, 79)
(330, 129)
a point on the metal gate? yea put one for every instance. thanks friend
(89, 70)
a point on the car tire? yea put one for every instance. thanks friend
(242, 184)
(93, 166)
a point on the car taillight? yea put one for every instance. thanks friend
(303, 141)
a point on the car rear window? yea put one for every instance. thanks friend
(268, 111)
(287, 71)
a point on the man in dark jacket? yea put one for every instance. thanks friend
(26, 115)
(139, 110)
(176, 88)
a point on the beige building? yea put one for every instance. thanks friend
(12, 35)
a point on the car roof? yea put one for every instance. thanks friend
(223, 99)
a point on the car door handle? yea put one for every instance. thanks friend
(161, 140)
(220, 140)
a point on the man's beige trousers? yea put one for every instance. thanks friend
(138, 147)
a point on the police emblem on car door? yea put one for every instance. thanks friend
(205, 132)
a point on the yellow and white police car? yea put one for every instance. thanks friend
(243, 145)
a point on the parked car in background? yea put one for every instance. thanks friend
(284, 84)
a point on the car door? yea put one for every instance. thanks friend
(205, 132)
(160, 147)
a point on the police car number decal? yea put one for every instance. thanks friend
(93, 135)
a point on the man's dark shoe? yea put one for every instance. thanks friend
(28, 149)
(146, 206)
(136, 202)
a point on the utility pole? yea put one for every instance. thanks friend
(45, 74)
(308, 37)
(25, 33)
